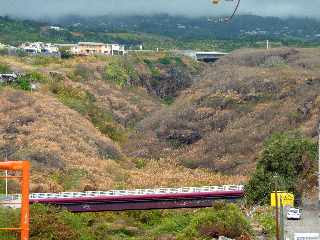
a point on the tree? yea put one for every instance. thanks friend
(65, 53)
(289, 156)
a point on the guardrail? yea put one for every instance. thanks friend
(136, 192)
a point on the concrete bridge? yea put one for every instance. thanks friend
(140, 199)
(203, 56)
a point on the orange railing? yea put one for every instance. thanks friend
(24, 168)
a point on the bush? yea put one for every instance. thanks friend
(165, 60)
(84, 72)
(116, 72)
(84, 102)
(65, 53)
(24, 84)
(266, 221)
(9, 218)
(4, 68)
(35, 77)
(290, 157)
(155, 72)
(49, 223)
(221, 220)
(4, 51)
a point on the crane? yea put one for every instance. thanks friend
(228, 19)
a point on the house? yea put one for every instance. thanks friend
(93, 48)
(55, 28)
(40, 48)
(90, 48)
(117, 49)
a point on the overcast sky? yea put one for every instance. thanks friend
(54, 8)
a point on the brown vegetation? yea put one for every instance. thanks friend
(221, 121)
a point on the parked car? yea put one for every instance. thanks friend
(294, 214)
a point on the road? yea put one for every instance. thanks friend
(310, 222)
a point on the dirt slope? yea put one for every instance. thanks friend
(221, 121)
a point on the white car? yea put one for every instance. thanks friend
(294, 214)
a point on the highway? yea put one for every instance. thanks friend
(310, 222)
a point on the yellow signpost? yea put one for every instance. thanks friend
(287, 199)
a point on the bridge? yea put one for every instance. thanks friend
(139, 199)
(203, 56)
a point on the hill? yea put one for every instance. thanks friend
(222, 121)
(157, 120)
(73, 126)
(166, 32)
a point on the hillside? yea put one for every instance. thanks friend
(221, 122)
(166, 32)
(160, 120)
(73, 126)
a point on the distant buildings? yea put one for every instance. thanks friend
(80, 49)
(40, 48)
(93, 48)
(55, 28)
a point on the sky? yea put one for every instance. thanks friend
(193, 8)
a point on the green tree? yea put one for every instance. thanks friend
(290, 157)
(65, 53)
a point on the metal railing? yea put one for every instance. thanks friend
(136, 192)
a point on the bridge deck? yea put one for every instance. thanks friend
(118, 200)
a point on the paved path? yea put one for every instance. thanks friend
(310, 222)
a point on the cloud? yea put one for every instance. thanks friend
(56, 8)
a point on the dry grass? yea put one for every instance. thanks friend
(169, 173)
(242, 99)
(67, 152)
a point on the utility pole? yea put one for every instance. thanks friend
(319, 165)
(282, 218)
(6, 172)
(277, 208)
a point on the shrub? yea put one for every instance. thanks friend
(35, 77)
(266, 221)
(290, 157)
(24, 84)
(48, 223)
(165, 60)
(9, 218)
(65, 53)
(4, 68)
(221, 220)
(116, 72)
(83, 72)
(84, 102)
(4, 51)
(155, 72)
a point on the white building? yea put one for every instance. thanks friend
(93, 48)
(39, 47)
(55, 28)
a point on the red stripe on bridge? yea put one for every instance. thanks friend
(128, 198)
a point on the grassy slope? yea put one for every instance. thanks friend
(74, 126)
(222, 121)
(73, 147)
